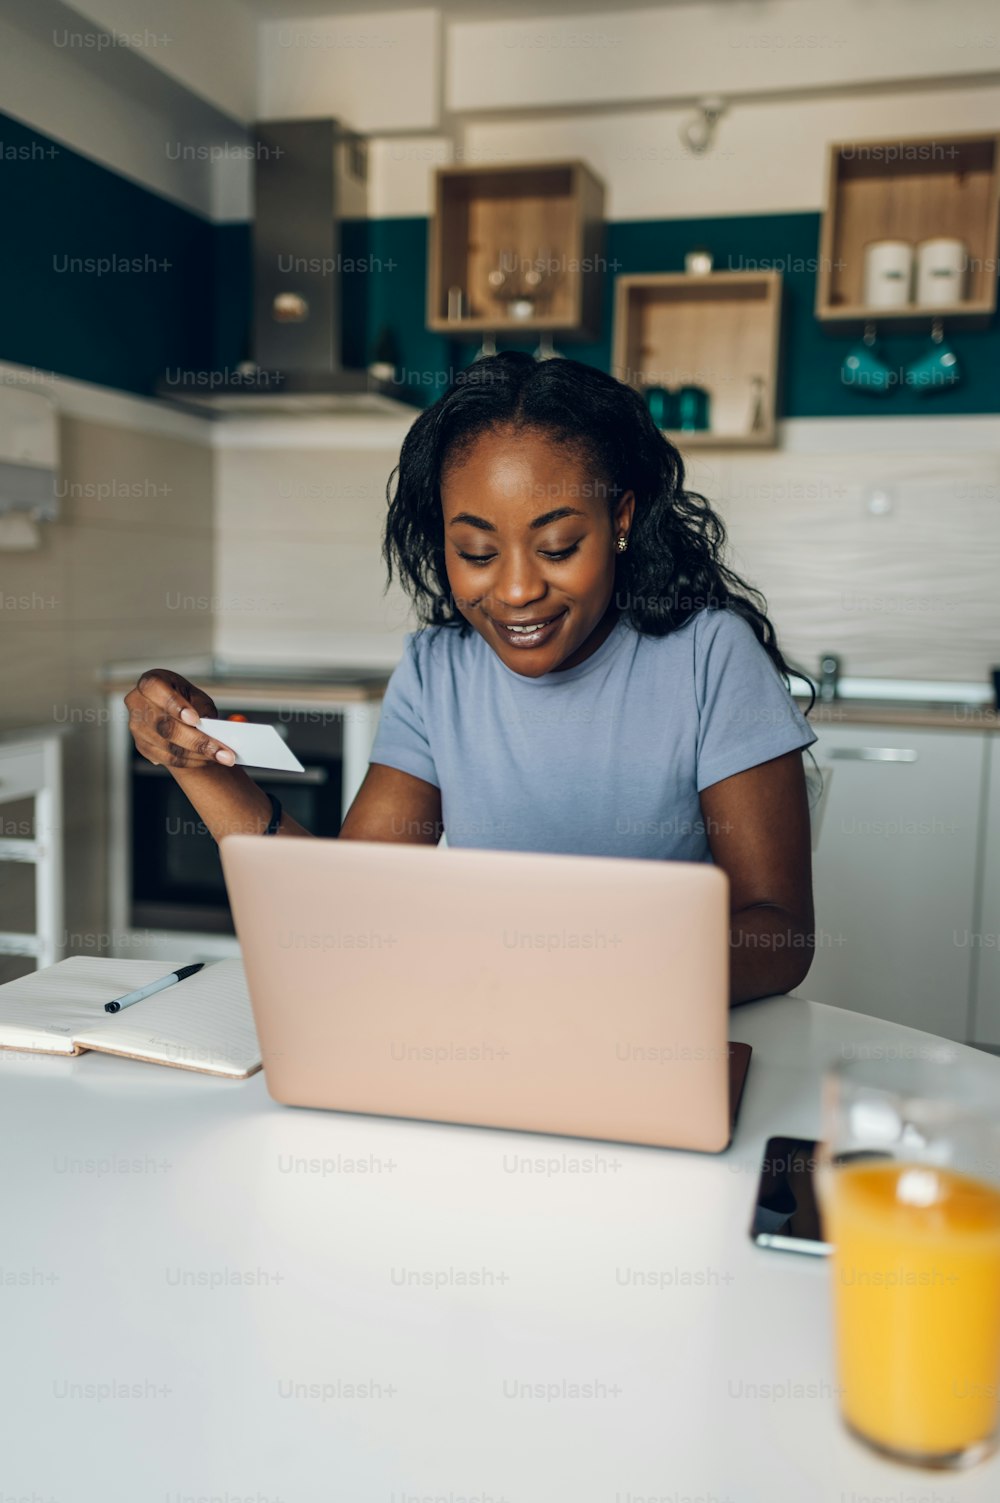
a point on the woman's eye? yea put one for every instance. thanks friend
(482, 559)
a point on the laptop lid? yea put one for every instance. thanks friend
(558, 994)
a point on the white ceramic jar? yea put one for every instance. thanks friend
(888, 274)
(941, 269)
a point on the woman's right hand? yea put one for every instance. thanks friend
(164, 710)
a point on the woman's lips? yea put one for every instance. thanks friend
(534, 636)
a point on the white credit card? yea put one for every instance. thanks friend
(254, 745)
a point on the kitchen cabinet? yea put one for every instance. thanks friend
(984, 932)
(909, 190)
(895, 874)
(517, 248)
(721, 331)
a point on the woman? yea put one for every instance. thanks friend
(589, 677)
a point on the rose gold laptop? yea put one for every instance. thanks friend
(555, 994)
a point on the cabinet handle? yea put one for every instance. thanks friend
(872, 754)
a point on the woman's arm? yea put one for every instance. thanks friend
(164, 710)
(390, 805)
(757, 824)
(394, 806)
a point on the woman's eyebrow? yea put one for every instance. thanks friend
(543, 521)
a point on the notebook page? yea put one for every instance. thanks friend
(44, 1010)
(204, 1023)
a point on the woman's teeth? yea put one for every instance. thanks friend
(529, 633)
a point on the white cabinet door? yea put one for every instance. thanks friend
(895, 874)
(984, 934)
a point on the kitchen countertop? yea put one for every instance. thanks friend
(15, 733)
(268, 692)
(927, 715)
(268, 684)
(273, 683)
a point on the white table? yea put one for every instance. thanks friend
(130, 1278)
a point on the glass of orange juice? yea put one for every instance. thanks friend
(909, 1188)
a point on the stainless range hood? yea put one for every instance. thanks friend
(309, 175)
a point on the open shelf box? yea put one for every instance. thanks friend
(914, 190)
(544, 215)
(718, 331)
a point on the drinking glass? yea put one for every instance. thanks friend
(909, 1187)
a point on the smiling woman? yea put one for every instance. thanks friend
(590, 678)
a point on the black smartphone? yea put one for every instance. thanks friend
(787, 1215)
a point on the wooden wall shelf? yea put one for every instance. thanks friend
(544, 216)
(716, 331)
(912, 190)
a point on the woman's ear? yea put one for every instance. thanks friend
(624, 513)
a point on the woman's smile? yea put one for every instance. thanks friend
(534, 632)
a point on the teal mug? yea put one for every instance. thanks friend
(662, 407)
(864, 369)
(692, 409)
(937, 368)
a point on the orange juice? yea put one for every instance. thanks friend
(916, 1277)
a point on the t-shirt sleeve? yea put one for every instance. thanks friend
(745, 714)
(401, 740)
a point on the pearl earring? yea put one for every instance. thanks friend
(622, 542)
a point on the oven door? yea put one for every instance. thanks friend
(177, 880)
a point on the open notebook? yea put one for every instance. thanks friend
(202, 1023)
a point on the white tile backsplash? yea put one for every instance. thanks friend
(911, 593)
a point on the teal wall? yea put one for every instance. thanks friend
(812, 353)
(126, 329)
(122, 329)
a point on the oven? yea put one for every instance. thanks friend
(176, 874)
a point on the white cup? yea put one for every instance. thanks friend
(888, 273)
(941, 266)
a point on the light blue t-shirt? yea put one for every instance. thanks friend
(604, 759)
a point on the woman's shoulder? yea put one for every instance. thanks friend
(715, 646)
(720, 625)
(709, 627)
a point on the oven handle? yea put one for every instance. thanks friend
(313, 775)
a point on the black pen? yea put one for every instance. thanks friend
(153, 987)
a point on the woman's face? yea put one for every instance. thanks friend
(530, 543)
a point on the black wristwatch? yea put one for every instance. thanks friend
(275, 820)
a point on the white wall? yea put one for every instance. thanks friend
(769, 155)
(431, 86)
(378, 71)
(208, 46)
(910, 593)
(110, 580)
(681, 51)
(907, 594)
(299, 576)
(111, 107)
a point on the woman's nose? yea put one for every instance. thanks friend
(520, 582)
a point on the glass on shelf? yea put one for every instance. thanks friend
(523, 285)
